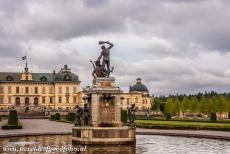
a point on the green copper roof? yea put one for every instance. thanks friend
(37, 77)
(139, 87)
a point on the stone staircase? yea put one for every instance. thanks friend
(32, 115)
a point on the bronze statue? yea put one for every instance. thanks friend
(86, 115)
(79, 114)
(102, 67)
(131, 115)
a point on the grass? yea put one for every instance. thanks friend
(157, 124)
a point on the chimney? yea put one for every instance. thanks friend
(54, 72)
(65, 66)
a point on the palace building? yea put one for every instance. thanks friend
(28, 91)
(37, 91)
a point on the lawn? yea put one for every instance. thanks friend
(157, 124)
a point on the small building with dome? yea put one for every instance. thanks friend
(139, 95)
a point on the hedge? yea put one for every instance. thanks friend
(71, 116)
(13, 117)
(12, 121)
(56, 116)
(12, 126)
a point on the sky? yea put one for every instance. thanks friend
(175, 46)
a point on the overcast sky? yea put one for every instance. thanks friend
(175, 46)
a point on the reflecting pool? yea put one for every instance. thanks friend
(146, 144)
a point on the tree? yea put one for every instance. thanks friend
(193, 106)
(185, 104)
(203, 105)
(169, 107)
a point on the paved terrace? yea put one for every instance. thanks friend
(47, 127)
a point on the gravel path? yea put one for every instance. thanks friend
(47, 127)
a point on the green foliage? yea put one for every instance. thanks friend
(13, 117)
(201, 103)
(56, 116)
(12, 127)
(169, 107)
(71, 116)
(124, 116)
(168, 116)
(213, 117)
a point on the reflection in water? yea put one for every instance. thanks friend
(145, 145)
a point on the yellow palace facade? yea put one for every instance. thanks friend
(28, 91)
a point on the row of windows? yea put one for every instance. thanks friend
(60, 90)
(44, 100)
(43, 79)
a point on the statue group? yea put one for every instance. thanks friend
(83, 114)
(102, 64)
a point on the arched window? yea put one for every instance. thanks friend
(17, 101)
(9, 78)
(36, 101)
(43, 79)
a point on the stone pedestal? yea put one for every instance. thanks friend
(103, 135)
(107, 128)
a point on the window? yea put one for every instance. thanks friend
(51, 90)
(27, 78)
(17, 90)
(9, 90)
(43, 99)
(67, 99)
(136, 100)
(74, 90)
(1, 99)
(74, 99)
(36, 90)
(9, 100)
(9, 78)
(59, 99)
(27, 90)
(51, 100)
(67, 78)
(67, 90)
(1, 89)
(127, 101)
(43, 90)
(43, 79)
(60, 90)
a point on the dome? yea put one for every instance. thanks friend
(139, 87)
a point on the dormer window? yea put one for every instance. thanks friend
(67, 77)
(43, 79)
(9, 78)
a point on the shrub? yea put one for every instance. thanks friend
(71, 116)
(213, 117)
(168, 116)
(0, 118)
(124, 116)
(13, 117)
(56, 116)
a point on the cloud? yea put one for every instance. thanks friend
(177, 46)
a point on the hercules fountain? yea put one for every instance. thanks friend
(102, 112)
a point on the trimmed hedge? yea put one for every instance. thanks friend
(56, 116)
(71, 116)
(213, 117)
(124, 116)
(13, 117)
(12, 121)
(168, 116)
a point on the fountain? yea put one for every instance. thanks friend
(104, 100)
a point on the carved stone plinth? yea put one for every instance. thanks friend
(104, 135)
